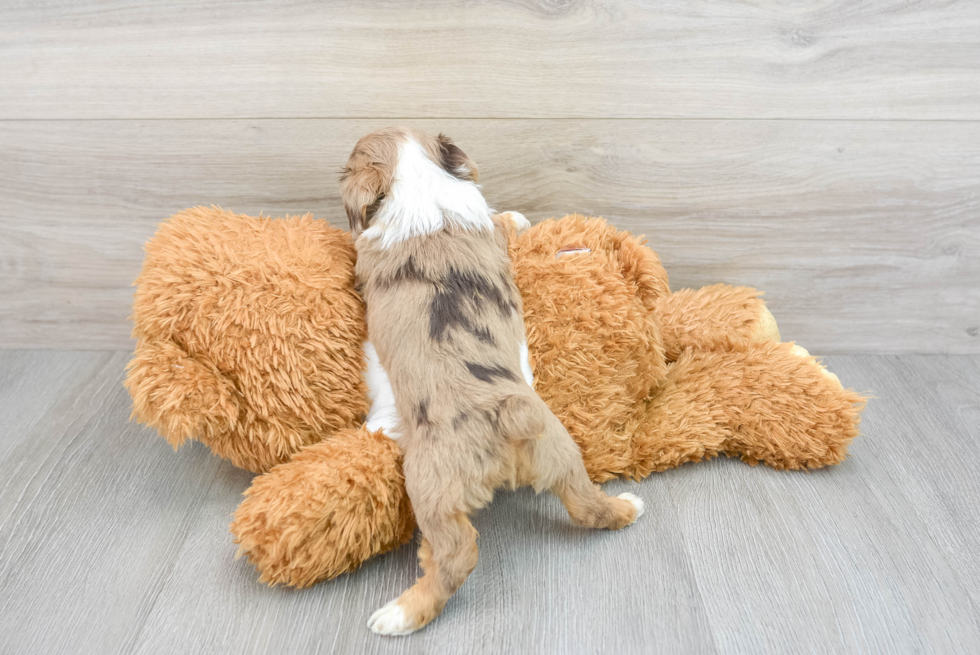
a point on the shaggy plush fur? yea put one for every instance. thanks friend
(334, 505)
(602, 326)
(643, 379)
(249, 335)
(710, 317)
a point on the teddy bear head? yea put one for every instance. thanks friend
(249, 335)
(589, 295)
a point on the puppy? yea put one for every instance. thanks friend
(447, 328)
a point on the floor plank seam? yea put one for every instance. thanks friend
(130, 643)
(53, 455)
(690, 563)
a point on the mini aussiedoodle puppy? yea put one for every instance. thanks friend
(450, 356)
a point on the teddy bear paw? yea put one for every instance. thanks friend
(766, 328)
(637, 503)
(391, 620)
(800, 351)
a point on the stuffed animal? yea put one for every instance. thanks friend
(250, 339)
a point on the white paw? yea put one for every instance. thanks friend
(518, 220)
(390, 620)
(637, 503)
(800, 351)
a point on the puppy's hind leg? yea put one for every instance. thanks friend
(559, 467)
(448, 555)
(591, 508)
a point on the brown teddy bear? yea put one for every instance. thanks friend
(250, 339)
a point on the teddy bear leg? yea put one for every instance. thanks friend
(712, 316)
(683, 421)
(334, 505)
(187, 397)
(794, 412)
(763, 402)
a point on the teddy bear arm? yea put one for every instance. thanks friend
(334, 505)
(763, 402)
(179, 395)
(184, 396)
(713, 316)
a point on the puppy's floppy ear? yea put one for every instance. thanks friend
(361, 191)
(455, 161)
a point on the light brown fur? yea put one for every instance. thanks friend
(448, 324)
(643, 379)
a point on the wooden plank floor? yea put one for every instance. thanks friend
(112, 543)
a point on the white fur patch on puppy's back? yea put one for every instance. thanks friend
(423, 198)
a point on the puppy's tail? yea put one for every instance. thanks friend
(522, 417)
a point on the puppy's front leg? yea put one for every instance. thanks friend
(508, 221)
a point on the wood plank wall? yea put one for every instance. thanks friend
(826, 152)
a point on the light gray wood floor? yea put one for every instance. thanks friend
(112, 543)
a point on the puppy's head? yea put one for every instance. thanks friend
(372, 168)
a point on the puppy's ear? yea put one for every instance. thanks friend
(455, 161)
(361, 191)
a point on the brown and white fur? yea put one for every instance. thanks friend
(446, 322)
